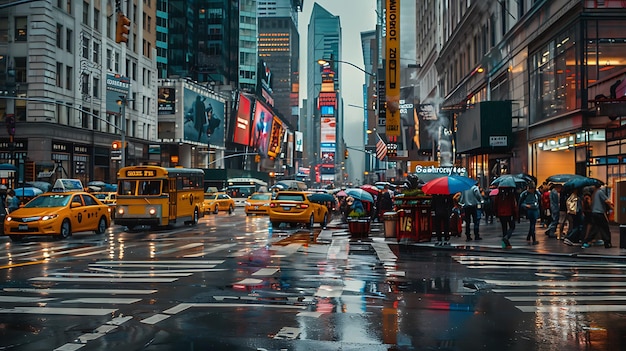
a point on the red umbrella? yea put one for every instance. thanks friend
(372, 189)
(448, 185)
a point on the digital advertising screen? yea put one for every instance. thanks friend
(167, 101)
(262, 124)
(328, 130)
(203, 119)
(241, 134)
(276, 137)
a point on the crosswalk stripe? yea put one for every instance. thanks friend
(103, 300)
(564, 299)
(14, 299)
(552, 283)
(573, 308)
(559, 290)
(104, 280)
(118, 274)
(339, 249)
(211, 250)
(62, 311)
(82, 291)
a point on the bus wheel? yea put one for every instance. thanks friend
(66, 230)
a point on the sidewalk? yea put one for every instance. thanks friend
(492, 242)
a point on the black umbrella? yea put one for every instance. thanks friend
(581, 182)
(561, 178)
(528, 177)
(509, 179)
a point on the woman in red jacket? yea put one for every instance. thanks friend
(505, 206)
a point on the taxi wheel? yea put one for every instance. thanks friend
(66, 230)
(16, 238)
(231, 210)
(216, 210)
(196, 216)
(311, 222)
(102, 226)
(324, 221)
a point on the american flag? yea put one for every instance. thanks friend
(381, 148)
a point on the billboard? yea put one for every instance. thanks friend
(276, 138)
(241, 134)
(263, 118)
(203, 119)
(117, 86)
(299, 136)
(328, 130)
(167, 101)
(392, 74)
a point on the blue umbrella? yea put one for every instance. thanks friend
(28, 191)
(581, 182)
(561, 178)
(510, 181)
(360, 194)
(7, 167)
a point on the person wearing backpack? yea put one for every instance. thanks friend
(600, 204)
(575, 212)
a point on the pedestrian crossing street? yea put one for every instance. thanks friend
(553, 286)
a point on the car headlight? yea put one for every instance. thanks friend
(152, 211)
(247, 203)
(48, 217)
(8, 219)
(120, 210)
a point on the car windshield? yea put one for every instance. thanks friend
(100, 196)
(260, 197)
(210, 197)
(49, 201)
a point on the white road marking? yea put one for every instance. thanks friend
(249, 281)
(14, 299)
(557, 291)
(309, 314)
(60, 310)
(179, 248)
(354, 285)
(82, 291)
(573, 308)
(551, 283)
(211, 250)
(178, 308)
(70, 347)
(265, 272)
(158, 263)
(384, 252)
(155, 319)
(329, 291)
(564, 299)
(287, 333)
(104, 280)
(288, 250)
(163, 273)
(103, 300)
(338, 249)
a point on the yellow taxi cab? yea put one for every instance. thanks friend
(107, 198)
(296, 207)
(258, 204)
(215, 202)
(59, 213)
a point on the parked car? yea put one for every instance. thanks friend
(295, 207)
(107, 198)
(215, 202)
(258, 204)
(58, 214)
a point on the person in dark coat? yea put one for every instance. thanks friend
(442, 207)
(505, 204)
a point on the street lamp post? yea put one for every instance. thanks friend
(123, 101)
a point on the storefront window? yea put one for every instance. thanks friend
(554, 77)
(605, 55)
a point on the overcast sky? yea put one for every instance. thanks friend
(355, 16)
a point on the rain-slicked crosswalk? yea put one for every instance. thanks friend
(540, 285)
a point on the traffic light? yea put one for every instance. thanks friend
(116, 145)
(10, 122)
(345, 154)
(122, 29)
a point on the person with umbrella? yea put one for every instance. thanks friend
(600, 205)
(12, 201)
(529, 203)
(505, 205)
(555, 206)
(470, 200)
(442, 207)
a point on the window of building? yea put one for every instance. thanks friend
(95, 120)
(109, 59)
(68, 40)
(96, 52)
(95, 91)
(69, 74)
(84, 83)
(85, 47)
(96, 19)
(21, 69)
(21, 28)
(68, 7)
(58, 75)
(86, 13)
(59, 36)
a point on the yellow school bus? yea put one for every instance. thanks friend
(157, 196)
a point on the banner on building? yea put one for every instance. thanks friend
(392, 68)
(241, 134)
(167, 101)
(276, 138)
(117, 86)
(203, 118)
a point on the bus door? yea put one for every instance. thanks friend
(172, 183)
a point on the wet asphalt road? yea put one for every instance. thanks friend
(233, 283)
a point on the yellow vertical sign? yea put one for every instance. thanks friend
(392, 67)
